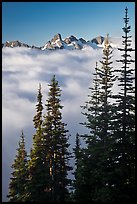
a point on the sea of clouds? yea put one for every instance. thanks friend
(22, 71)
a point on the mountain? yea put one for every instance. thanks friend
(55, 43)
(69, 43)
(98, 40)
(17, 43)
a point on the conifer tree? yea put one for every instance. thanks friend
(77, 180)
(99, 114)
(38, 187)
(125, 121)
(19, 180)
(82, 172)
(57, 142)
(92, 106)
(81, 184)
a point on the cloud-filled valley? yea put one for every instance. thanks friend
(22, 71)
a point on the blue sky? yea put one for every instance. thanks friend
(37, 22)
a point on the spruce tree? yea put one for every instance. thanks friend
(77, 180)
(81, 171)
(93, 106)
(19, 179)
(125, 121)
(99, 114)
(38, 187)
(57, 142)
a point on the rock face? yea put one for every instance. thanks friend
(15, 44)
(82, 40)
(55, 43)
(70, 39)
(98, 40)
(47, 46)
(57, 37)
(78, 46)
(67, 40)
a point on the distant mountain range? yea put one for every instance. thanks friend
(69, 43)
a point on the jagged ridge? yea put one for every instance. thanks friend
(57, 43)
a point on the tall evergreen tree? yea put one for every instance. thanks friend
(125, 121)
(19, 180)
(93, 106)
(57, 141)
(99, 114)
(77, 180)
(38, 187)
(81, 171)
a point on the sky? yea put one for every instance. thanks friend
(35, 23)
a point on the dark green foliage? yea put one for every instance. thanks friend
(95, 161)
(38, 187)
(125, 121)
(106, 168)
(57, 142)
(39, 107)
(47, 168)
(81, 182)
(19, 180)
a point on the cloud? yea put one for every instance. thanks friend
(22, 70)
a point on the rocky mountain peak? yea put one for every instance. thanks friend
(56, 37)
(15, 43)
(73, 38)
(70, 39)
(98, 40)
(82, 40)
